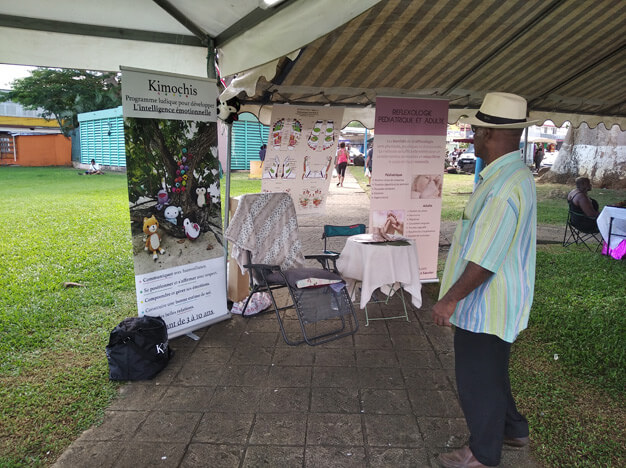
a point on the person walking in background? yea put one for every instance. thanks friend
(368, 165)
(488, 283)
(342, 163)
(538, 156)
(262, 153)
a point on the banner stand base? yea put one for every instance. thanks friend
(193, 336)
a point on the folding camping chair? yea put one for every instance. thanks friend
(264, 233)
(580, 229)
(330, 231)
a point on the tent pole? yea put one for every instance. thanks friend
(227, 196)
(526, 160)
(210, 59)
(478, 166)
(365, 149)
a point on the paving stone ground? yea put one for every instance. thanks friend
(240, 397)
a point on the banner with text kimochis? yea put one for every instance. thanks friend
(407, 173)
(170, 131)
(300, 154)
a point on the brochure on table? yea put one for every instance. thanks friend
(170, 132)
(300, 155)
(407, 174)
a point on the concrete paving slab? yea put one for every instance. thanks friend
(263, 456)
(150, 454)
(217, 456)
(339, 457)
(335, 429)
(224, 428)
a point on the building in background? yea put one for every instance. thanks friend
(27, 139)
(247, 137)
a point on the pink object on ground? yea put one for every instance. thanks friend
(617, 253)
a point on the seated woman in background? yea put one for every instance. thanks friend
(583, 209)
(579, 200)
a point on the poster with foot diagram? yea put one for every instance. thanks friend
(300, 156)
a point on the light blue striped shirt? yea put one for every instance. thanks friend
(498, 231)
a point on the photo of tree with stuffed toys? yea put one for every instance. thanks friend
(173, 175)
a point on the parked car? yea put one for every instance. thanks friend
(353, 155)
(467, 162)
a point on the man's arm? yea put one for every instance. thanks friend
(473, 276)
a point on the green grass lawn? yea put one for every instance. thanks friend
(240, 184)
(60, 227)
(568, 366)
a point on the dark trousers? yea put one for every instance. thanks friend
(482, 378)
(341, 169)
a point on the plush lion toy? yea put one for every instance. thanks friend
(153, 239)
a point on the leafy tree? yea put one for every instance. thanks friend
(154, 150)
(65, 93)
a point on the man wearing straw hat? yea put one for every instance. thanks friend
(488, 283)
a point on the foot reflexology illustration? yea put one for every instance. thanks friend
(300, 158)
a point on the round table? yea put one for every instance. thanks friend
(380, 265)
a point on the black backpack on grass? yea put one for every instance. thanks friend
(138, 348)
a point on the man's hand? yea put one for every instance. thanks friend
(473, 276)
(442, 311)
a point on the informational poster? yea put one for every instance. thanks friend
(300, 155)
(170, 131)
(407, 174)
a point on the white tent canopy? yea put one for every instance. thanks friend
(166, 35)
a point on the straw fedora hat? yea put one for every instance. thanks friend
(501, 110)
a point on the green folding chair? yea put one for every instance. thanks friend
(331, 231)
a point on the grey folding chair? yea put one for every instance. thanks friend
(264, 227)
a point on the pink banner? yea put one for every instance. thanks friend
(407, 173)
(408, 116)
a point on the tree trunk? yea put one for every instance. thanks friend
(596, 153)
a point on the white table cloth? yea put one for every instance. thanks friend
(619, 224)
(379, 266)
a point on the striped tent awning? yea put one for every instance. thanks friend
(566, 57)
